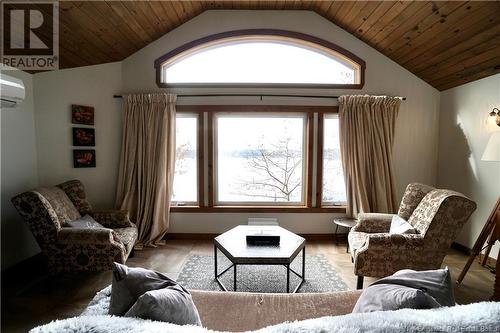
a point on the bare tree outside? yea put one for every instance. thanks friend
(181, 154)
(276, 172)
(260, 159)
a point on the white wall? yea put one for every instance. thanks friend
(415, 151)
(19, 173)
(54, 93)
(464, 133)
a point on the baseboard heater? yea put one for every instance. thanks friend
(263, 221)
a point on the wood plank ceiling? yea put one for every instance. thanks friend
(446, 43)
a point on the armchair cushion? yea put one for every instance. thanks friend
(85, 222)
(113, 218)
(382, 254)
(89, 236)
(62, 205)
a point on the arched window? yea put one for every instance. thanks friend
(257, 58)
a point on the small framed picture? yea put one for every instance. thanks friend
(84, 158)
(83, 136)
(81, 114)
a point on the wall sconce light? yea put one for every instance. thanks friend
(495, 116)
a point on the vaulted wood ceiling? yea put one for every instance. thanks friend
(446, 43)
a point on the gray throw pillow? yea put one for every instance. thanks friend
(436, 283)
(408, 289)
(387, 297)
(129, 283)
(85, 222)
(171, 304)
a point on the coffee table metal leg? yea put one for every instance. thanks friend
(347, 240)
(215, 261)
(288, 278)
(304, 263)
(234, 277)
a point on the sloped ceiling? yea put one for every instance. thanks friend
(446, 43)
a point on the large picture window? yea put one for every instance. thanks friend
(260, 159)
(260, 58)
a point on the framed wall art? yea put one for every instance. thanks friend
(84, 158)
(83, 136)
(81, 114)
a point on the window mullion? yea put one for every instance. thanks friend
(211, 158)
(319, 160)
(310, 158)
(201, 160)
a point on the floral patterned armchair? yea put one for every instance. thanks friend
(47, 209)
(436, 215)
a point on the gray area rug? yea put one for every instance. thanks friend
(198, 273)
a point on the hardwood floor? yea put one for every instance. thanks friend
(33, 299)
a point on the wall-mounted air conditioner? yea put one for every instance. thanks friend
(11, 91)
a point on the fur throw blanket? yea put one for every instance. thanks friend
(477, 317)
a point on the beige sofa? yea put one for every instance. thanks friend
(236, 312)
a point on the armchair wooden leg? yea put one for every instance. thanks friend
(360, 282)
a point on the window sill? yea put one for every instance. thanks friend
(257, 209)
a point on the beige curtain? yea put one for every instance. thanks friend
(146, 173)
(366, 126)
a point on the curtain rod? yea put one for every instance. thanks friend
(257, 95)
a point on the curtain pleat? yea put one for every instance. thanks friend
(147, 160)
(367, 125)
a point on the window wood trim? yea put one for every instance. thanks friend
(319, 160)
(258, 209)
(310, 158)
(310, 134)
(201, 159)
(210, 157)
(261, 32)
